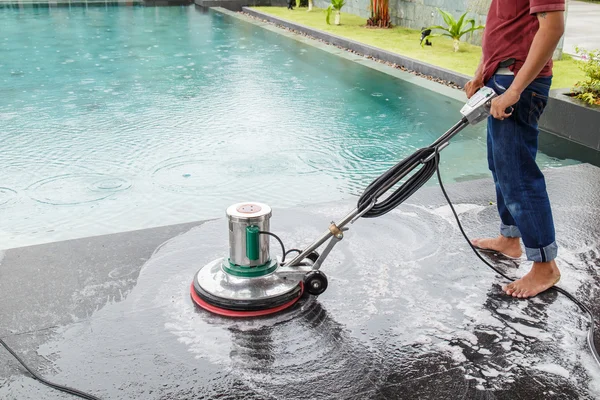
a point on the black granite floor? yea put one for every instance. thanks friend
(410, 312)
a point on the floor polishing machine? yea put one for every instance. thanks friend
(251, 282)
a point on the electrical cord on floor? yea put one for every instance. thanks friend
(62, 388)
(583, 307)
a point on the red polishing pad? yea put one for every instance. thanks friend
(242, 314)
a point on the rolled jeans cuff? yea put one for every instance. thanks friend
(510, 231)
(543, 254)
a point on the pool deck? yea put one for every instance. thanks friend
(410, 312)
(581, 29)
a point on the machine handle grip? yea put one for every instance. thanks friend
(509, 110)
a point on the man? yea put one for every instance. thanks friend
(519, 39)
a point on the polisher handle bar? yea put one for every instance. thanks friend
(391, 177)
(422, 156)
(333, 229)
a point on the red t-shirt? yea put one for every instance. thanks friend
(509, 31)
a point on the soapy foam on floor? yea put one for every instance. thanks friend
(554, 369)
(428, 322)
(454, 313)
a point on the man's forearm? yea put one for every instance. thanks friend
(543, 46)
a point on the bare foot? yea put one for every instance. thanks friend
(541, 277)
(510, 247)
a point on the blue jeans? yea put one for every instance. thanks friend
(521, 195)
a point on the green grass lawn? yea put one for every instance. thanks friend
(406, 42)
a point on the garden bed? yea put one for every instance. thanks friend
(406, 43)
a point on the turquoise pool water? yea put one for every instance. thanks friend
(120, 118)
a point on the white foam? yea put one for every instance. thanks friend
(509, 312)
(490, 372)
(553, 369)
(530, 331)
(446, 212)
(455, 352)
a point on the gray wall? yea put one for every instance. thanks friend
(416, 14)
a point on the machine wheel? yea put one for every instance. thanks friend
(315, 282)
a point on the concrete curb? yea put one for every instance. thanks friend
(409, 63)
(571, 118)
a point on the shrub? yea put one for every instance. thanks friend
(454, 29)
(337, 6)
(380, 14)
(589, 90)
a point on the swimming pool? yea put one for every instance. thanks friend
(122, 118)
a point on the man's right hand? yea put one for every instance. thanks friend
(473, 86)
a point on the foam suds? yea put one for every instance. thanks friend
(554, 369)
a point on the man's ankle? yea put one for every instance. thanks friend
(509, 239)
(549, 265)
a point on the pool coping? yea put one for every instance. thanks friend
(428, 70)
(371, 62)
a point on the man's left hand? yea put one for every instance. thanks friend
(501, 103)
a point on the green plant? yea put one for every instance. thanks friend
(588, 90)
(454, 29)
(337, 6)
(301, 3)
(380, 14)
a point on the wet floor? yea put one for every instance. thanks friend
(409, 312)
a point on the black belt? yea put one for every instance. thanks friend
(506, 63)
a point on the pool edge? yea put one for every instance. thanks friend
(380, 66)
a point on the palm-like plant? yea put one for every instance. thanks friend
(337, 6)
(454, 29)
(380, 14)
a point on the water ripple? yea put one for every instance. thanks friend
(70, 189)
(7, 196)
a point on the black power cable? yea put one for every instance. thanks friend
(62, 388)
(283, 252)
